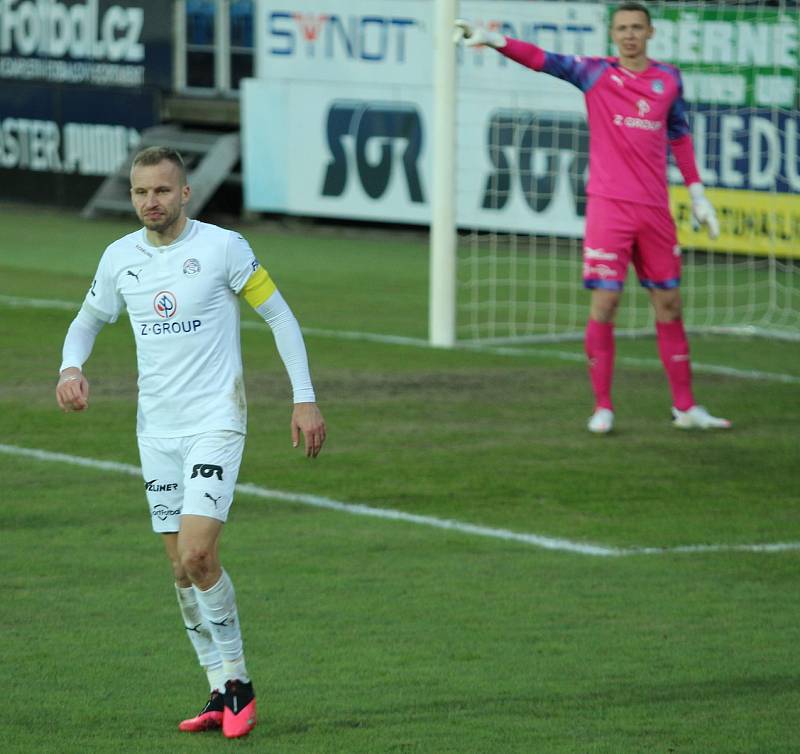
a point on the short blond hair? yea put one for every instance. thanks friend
(157, 155)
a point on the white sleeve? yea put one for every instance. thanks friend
(80, 339)
(292, 349)
(103, 299)
(240, 260)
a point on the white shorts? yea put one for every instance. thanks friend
(193, 475)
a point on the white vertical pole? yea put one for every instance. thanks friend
(259, 23)
(179, 47)
(442, 291)
(222, 44)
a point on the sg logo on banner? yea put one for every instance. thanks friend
(378, 131)
(537, 145)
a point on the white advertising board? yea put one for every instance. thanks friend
(338, 121)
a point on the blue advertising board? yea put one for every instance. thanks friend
(58, 143)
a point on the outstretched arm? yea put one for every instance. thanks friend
(473, 35)
(72, 390)
(577, 70)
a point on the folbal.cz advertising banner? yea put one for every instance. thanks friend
(92, 42)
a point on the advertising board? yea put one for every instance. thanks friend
(87, 42)
(339, 121)
(58, 143)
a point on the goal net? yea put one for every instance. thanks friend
(521, 171)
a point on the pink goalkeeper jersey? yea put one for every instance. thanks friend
(632, 117)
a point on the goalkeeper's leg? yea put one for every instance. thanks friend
(600, 345)
(673, 346)
(607, 250)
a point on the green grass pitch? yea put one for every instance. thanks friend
(366, 635)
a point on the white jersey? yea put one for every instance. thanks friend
(184, 310)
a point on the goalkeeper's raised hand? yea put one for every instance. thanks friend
(703, 212)
(473, 36)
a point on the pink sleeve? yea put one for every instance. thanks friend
(524, 53)
(683, 151)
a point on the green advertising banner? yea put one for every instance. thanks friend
(734, 57)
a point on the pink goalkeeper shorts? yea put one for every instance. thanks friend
(618, 233)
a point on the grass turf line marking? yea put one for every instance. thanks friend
(318, 501)
(401, 340)
(744, 374)
(38, 303)
(631, 361)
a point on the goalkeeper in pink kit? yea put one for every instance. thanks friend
(635, 109)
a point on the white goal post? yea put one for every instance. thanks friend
(442, 289)
(509, 169)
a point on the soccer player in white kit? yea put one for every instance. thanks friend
(180, 281)
(635, 110)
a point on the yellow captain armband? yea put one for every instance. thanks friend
(258, 288)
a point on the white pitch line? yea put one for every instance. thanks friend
(402, 340)
(575, 356)
(37, 303)
(388, 514)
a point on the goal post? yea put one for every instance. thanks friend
(442, 287)
(517, 145)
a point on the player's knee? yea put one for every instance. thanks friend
(196, 562)
(604, 308)
(667, 305)
(673, 309)
(178, 571)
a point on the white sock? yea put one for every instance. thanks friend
(216, 678)
(235, 670)
(197, 629)
(218, 608)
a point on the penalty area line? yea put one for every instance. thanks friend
(389, 514)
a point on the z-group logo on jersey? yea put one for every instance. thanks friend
(165, 304)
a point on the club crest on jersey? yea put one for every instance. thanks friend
(165, 304)
(191, 267)
(658, 86)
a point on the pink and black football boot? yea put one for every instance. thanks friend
(209, 718)
(239, 715)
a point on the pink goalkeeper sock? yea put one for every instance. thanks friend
(673, 347)
(599, 345)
